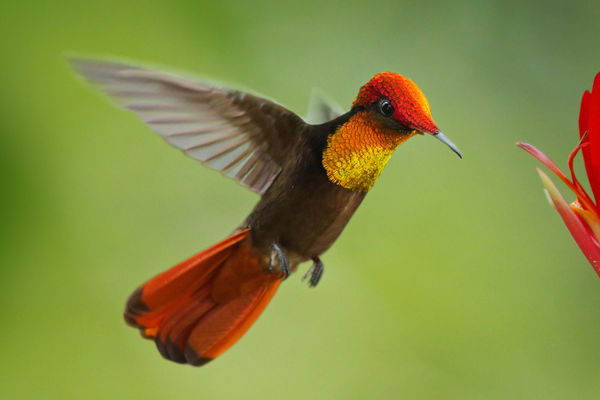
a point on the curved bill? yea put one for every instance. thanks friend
(442, 138)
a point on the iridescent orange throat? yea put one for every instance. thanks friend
(357, 152)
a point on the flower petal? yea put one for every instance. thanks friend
(582, 195)
(589, 122)
(589, 218)
(544, 159)
(577, 189)
(584, 113)
(587, 243)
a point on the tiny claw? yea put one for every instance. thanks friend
(284, 265)
(315, 272)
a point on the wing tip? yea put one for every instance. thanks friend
(321, 107)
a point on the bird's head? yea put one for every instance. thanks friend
(388, 110)
(397, 103)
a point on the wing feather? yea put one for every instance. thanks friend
(246, 137)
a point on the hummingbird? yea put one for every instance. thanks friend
(311, 177)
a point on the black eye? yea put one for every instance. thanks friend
(385, 107)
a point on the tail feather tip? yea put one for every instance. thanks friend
(170, 350)
(194, 359)
(135, 307)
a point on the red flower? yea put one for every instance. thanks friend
(582, 217)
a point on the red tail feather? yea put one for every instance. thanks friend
(203, 305)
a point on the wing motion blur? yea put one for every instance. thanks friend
(246, 137)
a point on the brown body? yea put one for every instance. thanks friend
(303, 210)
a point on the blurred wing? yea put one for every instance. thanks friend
(321, 108)
(246, 137)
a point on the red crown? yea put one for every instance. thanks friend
(410, 105)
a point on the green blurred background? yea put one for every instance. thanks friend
(454, 280)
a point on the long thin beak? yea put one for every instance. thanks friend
(442, 138)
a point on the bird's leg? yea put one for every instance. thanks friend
(315, 272)
(284, 264)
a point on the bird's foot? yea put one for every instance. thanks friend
(284, 264)
(315, 272)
